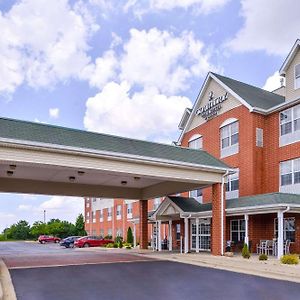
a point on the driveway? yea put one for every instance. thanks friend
(50, 272)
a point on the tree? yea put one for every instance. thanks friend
(19, 231)
(129, 236)
(38, 228)
(80, 225)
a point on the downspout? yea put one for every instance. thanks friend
(286, 210)
(222, 211)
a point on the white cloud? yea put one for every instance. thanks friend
(54, 113)
(6, 219)
(43, 42)
(25, 207)
(273, 82)
(160, 59)
(272, 26)
(147, 114)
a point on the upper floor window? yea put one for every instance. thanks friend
(232, 186)
(290, 172)
(197, 195)
(297, 76)
(101, 215)
(229, 133)
(156, 203)
(109, 213)
(129, 210)
(290, 120)
(119, 212)
(195, 142)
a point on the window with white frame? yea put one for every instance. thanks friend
(87, 203)
(297, 76)
(197, 195)
(259, 137)
(129, 210)
(290, 176)
(288, 229)
(109, 231)
(119, 232)
(232, 186)
(178, 231)
(196, 142)
(237, 230)
(109, 213)
(94, 216)
(101, 215)
(229, 139)
(119, 212)
(290, 125)
(156, 203)
(102, 232)
(88, 214)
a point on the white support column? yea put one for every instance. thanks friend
(186, 235)
(134, 235)
(170, 236)
(197, 235)
(246, 230)
(159, 235)
(280, 234)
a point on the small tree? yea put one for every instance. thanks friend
(245, 251)
(80, 225)
(129, 236)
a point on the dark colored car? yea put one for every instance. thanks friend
(92, 241)
(69, 241)
(43, 239)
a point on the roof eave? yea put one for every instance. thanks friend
(289, 58)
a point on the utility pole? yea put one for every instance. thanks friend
(44, 216)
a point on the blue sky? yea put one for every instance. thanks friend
(84, 64)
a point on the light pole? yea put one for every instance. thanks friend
(44, 216)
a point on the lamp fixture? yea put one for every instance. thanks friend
(12, 166)
(137, 178)
(80, 173)
(123, 182)
(72, 178)
(10, 173)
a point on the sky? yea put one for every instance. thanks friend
(86, 64)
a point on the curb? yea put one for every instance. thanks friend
(7, 291)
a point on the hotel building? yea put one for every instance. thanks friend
(255, 132)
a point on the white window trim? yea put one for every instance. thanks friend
(231, 149)
(238, 230)
(199, 198)
(196, 137)
(295, 85)
(228, 122)
(232, 194)
(293, 188)
(284, 229)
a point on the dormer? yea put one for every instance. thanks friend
(291, 71)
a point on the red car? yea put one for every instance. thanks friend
(48, 239)
(91, 241)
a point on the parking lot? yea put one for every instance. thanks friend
(51, 272)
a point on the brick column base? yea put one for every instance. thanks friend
(216, 220)
(143, 224)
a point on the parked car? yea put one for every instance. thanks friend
(92, 241)
(69, 241)
(48, 239)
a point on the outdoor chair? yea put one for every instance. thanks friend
(269, 247)
(260, 248)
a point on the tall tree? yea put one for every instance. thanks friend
(80, 225)
(129, 236)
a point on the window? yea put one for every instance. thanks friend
(94, 216)
(297, 76)
(119, 232)
(109, 232)
(229, 138)
(87, 203)
(102, 233)
(119, 212)
(259, 137)
(101, 215)
(196, 142)
(197, 195)
(290, 125)
(177, 231)
(129, 210)
(232, 186)
(88, 214)
(156, 203)
(237, 230)
(290, 172)
(288, 229)
(109, 214)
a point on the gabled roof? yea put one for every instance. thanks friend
(254, 96)
(289, 58)
(189, 205)
(37, 134)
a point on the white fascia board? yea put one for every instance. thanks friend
(202, 214)
(163, 206)
(289, 58)
(184, 118)
(111, 155)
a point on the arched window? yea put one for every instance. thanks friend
(195, 142)
(229, 137)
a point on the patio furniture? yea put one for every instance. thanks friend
(286, 247)
(260, 248)
(269, 247)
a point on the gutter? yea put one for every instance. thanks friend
(222, 212)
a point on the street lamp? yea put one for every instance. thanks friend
(44, 216)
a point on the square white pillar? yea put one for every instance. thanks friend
(246, 230)
(197, 235)
(159, 235)
(170, 236)
(280, 234)
(186, 235)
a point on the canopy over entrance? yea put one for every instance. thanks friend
(44, 159)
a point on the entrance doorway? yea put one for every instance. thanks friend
(204, 234)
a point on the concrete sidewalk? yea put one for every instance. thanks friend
(272, 268)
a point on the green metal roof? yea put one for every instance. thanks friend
(74, 138)
(256, 97)
(190, 205)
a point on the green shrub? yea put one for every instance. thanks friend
(128, 247)
(290, 259)
(108, 237)
(245, 251)
(129, 236)
(2, 237)
(263, 257)
(120, 244)
(118, 239)
(115, 245)
(110, 245)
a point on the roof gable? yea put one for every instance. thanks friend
(289, 58)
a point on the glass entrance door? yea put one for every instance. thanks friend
(204, 234)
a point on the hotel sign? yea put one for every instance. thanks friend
(211, 109)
